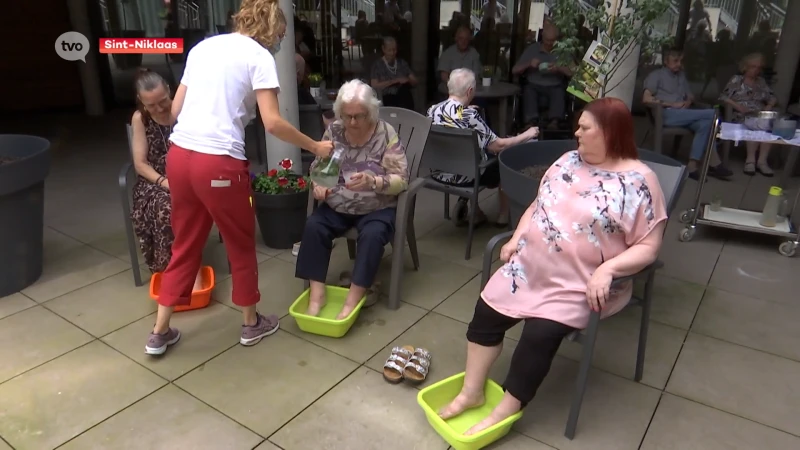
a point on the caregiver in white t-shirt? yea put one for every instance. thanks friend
(207, 171)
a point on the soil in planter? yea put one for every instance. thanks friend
(7, 159)
(535, 172)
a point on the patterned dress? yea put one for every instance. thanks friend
(754, 97)
(151, 204)
(583, 216)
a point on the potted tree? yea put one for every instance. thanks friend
(315, 80)
(280, 199)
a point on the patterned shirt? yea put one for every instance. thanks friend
(582, 217)
(383, 156)
(751, 97)
(382, 71)
(451, 113)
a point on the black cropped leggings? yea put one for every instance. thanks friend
(534, 353)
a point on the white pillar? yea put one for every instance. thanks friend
(623, 84)
(89, 71)
(419, 51)
(287, 98)
(786, 61)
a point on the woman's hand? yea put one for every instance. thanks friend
(321, 193)
(361, 181)
(599, 288)
(508, 250)
(741, 108)
(323, 148)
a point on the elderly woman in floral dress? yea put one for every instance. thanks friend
(374, 171)
(599, 215)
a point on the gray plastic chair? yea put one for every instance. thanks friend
(671, 176)
(413, 129)
(456, 151)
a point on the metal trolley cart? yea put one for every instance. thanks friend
(739, 219)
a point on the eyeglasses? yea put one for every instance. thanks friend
(356, 117)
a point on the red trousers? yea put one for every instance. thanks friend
(207, 189)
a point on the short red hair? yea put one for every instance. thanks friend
(614, 118)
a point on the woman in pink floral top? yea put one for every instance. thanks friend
(599, 215)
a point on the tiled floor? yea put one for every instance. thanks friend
(722, 364)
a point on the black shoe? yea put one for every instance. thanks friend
(721, 172)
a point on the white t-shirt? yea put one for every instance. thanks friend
(221, 76)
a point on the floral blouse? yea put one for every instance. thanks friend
(751, 97)
(383, 156)
(583, 216)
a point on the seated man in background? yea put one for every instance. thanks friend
(461, 55)
(668, 88)
(544, 78)
(455, 112)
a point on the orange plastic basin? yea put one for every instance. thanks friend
(200, 299)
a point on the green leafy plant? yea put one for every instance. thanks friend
(621, 24)
(488, 71)
(315, 79)
(279, 181)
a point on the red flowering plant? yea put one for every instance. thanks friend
(279, 181)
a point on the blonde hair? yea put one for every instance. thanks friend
(260, 20)
(748, 59)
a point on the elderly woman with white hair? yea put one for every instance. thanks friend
(374, 171)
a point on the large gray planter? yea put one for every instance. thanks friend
(520, 187)
(24, 164)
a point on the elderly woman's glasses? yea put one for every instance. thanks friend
(356, 117)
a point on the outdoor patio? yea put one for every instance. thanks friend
(722, 367)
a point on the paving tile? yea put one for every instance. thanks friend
(739, 380)
(361, 409)
(33, 337)
(279, 288)
(57, 401)
(682, 424)
(267, 445)
(614, 416)
(753, 271)
(517, 441)
(105, 306)
(758, 324)
(166, 419)
(72, 270)
(690, 261)
(446, 340)
(14, 303)
(373, 330)
(449, 242)
(205, 333)
(675, 301)
(435, 280)
(618, 343)
(264, 386)
(4, 446)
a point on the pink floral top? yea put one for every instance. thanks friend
(583, 216)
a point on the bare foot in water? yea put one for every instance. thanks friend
(505, 409)
(346, 310)
(315, 305)
(462, 402)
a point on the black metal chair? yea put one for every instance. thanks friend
(671, 176)
(413, 129)
(456, 151)
(311, 125)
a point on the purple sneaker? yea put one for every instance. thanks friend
(157, 343)
(265, 326)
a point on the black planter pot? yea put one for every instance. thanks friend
(125, 61)
(24, 164)
(521, 188)
(281, 218)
